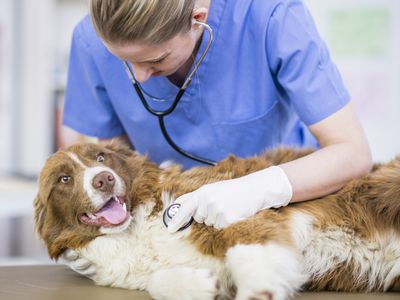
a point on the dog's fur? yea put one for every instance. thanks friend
(347, 241)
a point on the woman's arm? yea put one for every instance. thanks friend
(344, 155)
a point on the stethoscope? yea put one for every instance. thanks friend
(160, 114)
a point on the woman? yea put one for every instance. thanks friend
(267, 80)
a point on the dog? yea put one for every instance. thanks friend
(106, 204)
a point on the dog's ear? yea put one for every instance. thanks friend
(45, 232)
(56, 237)
(120, 147)
(39, 215)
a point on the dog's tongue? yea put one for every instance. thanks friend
(113, 212)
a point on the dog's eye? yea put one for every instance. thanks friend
(64, 179)
(100, 157)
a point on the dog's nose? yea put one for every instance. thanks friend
(104, 182)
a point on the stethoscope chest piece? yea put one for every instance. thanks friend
(170, 212)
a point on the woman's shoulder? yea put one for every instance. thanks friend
(85, 34)
(255, 12)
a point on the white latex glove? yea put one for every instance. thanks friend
(79, 264)
(222, 203)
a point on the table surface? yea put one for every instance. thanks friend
(59, 282)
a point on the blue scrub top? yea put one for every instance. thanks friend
(267, 76)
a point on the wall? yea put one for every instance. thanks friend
(34, 50)
(364, 39)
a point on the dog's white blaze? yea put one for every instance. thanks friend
(89, 173)
(375, 260)
(272, 268)
(75, 158)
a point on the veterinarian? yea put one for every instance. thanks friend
(266, 80)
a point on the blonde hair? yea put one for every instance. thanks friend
(149, 21)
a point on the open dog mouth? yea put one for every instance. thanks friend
(113, 213)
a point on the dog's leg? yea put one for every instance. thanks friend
(183, 283)
(270, 272)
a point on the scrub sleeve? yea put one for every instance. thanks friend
(89, 109)
(299, 59)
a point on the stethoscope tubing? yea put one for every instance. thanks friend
(160, 114)
(179, 149)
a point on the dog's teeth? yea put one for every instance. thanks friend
(124, 206)
(92, 216)
(116, 199)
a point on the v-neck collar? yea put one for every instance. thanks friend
(163, 87)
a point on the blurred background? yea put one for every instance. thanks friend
(362, 35)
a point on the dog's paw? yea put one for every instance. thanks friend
(184, 283)
(206, 285)
(261, 294)
(79, 264)
(255, 295)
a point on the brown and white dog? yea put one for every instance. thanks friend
(106, 204)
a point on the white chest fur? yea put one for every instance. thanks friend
(127, 259)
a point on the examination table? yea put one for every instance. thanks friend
(61, 283)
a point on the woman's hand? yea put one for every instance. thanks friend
(222, 203)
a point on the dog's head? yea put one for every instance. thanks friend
(88, 190)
